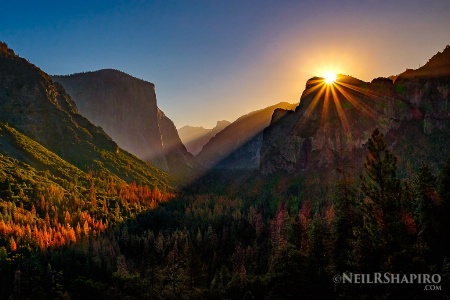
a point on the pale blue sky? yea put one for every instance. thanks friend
(214, 60)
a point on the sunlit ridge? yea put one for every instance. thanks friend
(337, 94)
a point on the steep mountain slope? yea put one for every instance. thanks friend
(194, 138)
(46, 202)
(31, 103)
(125, 107)
(332, 123)
(180, 162)
(238, 145)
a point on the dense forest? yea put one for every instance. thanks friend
(100, 238)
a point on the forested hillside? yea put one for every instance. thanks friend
(213, 245)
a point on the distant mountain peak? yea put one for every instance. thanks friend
(437, 65)
(222, 124)
(195, 137)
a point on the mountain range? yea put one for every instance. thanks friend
(327, 130)
(238, 145)
(194, 138)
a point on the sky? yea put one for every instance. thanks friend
(219, 59)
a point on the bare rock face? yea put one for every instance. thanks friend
(427, 89)
(125, 107)
(333, 122)
(195, 138)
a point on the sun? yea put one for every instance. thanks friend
(329, 77)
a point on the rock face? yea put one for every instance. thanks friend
(194, 138)
(32, 103)
(238, 145)
(125, 107)
(179, 161)
(332, 123)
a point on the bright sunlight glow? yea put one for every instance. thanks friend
(329, 77)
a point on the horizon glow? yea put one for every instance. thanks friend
(219, 60)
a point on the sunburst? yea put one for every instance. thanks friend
(334, 95)
(329, 77)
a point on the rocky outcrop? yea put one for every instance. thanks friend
(194, 138)
(427, 89)
(126, 108)
(333, 122)
(238, 145)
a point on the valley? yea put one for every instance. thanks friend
(101, 199)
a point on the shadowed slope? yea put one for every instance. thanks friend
(220, 151)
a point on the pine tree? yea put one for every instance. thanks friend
(379, 182)
(444, 212)
(381, 206)
(426, 204)
(344, 201)
(444, 183)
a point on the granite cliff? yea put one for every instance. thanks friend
(126, 108)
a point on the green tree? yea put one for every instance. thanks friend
(426, 205)
(344, 201)
(444, 212)
(379, 182)
(378, 238)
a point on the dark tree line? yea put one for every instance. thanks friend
(208, 245)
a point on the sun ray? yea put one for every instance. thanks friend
(359, 105)
(315, 101)
(309, 110)
(341, 112)
(313, 85)
(326, 104)
(331, 96)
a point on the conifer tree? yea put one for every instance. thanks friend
(344, 201)
(379, 182)
(444, 215)
(444, 183)
(426, 202)
(381, 206)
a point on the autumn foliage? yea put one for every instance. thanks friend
(49, 215)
